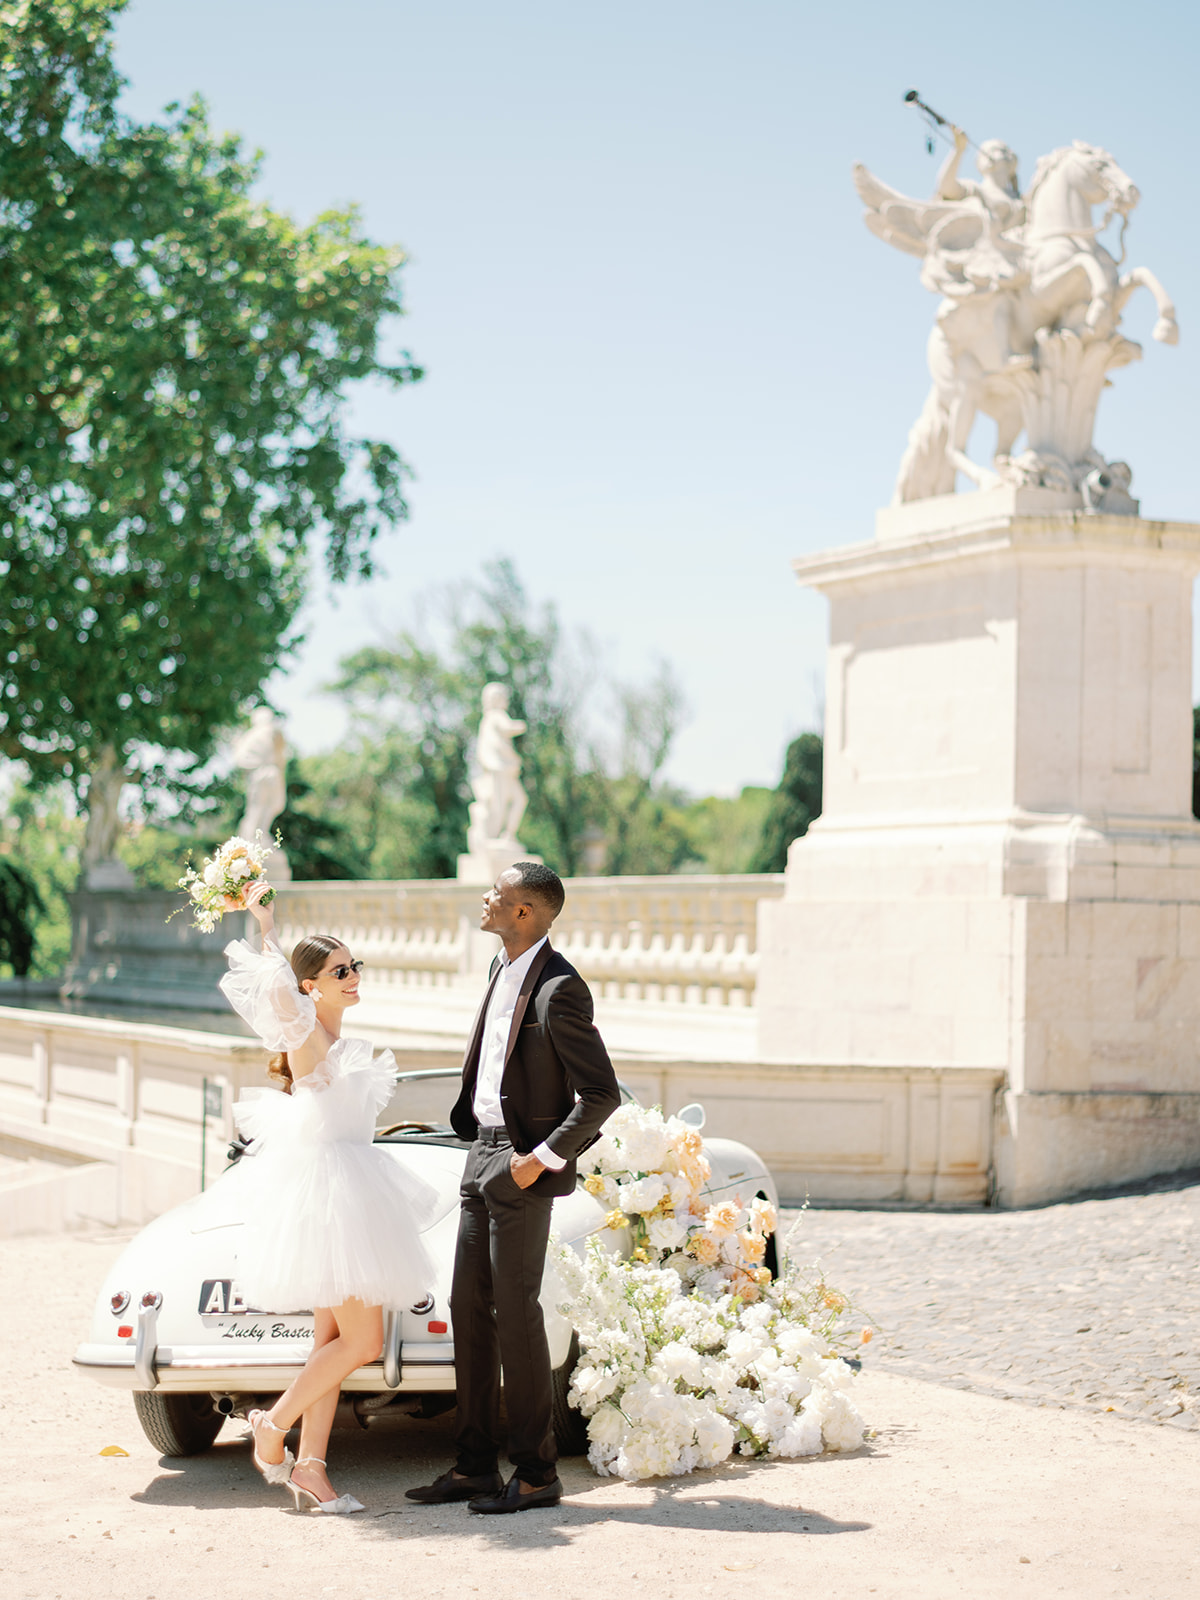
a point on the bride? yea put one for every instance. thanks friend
(332, 1222)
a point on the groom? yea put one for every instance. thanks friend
(537, 1086)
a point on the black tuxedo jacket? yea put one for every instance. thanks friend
(554, 1054)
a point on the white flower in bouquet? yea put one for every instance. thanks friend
(691, 1349)
(642, 1195)
(607, 1428)
(666, 1233)
(677, 1362)
(801, 1437)
(220, 884)
(642, 1136)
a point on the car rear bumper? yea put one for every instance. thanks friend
(423, 1369)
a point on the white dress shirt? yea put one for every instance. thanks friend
(497, 1024)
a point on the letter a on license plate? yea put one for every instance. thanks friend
(219, 1298)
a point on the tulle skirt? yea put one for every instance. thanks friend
(331, 1223)
(327, 1215)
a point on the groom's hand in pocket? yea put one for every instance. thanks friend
(525, 1170)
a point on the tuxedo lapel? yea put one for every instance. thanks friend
(536, 967)
(471, 1057)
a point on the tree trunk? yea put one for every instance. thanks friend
(101, 869)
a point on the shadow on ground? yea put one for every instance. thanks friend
(379, 1466)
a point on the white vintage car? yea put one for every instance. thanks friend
(170, 1326)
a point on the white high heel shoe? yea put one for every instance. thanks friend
(306, 1500)
(272, 1471)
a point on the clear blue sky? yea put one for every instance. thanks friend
(664, 354)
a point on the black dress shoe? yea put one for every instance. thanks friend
(448, 1487)
(510, 1498)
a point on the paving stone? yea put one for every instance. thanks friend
(1093, 1304)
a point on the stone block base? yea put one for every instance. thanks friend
(1049, 1146)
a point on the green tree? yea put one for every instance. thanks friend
(402, 780)
(174, 362)
(318, 845)
(795, 803)
(42, 832)
(20, 907)
(726, 834)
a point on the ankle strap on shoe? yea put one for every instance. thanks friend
(311, 1461)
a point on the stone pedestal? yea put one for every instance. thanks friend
(1007, 872)
(484, 864)
(125, 952)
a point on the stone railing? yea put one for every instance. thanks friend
(683, 939)
(142, 1109)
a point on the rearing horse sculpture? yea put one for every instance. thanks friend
(1029, 320)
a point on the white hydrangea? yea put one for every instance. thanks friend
(642, 1195)
(671, 1382)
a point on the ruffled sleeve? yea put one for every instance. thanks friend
(261, 988)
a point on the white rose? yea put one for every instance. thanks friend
(212, 874)
(678, 1360)
(666, 1233)
(607, 1427)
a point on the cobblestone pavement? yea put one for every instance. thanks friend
(1093, 1303)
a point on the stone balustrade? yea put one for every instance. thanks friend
(683, 939)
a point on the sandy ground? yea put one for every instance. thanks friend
(956, 1494)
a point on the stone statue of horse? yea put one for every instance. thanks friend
(1011, 297)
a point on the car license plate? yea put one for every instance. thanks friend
(219, 1298)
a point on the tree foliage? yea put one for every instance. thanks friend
(173, 367)
(400, 785)
(795, 804)
(41, 832)
(20, 907)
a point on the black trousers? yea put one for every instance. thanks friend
(502, 1235)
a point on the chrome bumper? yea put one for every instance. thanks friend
(191, 1369)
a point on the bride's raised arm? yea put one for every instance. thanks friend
(261, 986)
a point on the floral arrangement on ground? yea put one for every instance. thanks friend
(690, 1349)
(221, 883)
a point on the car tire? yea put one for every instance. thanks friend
(178, 1424)
(570, 1425)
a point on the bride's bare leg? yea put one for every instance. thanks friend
(317, 1421)
(359, 1339)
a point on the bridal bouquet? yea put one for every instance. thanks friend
(670, 1381)
(690, 1348)
(223, 879)
(650, 1170)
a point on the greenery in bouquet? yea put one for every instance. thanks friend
(691, 1348)
(220, 884)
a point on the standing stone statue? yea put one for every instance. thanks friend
(261, 752)
(500, 801)
(1029, 321)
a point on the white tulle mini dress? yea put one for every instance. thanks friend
(328, 1215)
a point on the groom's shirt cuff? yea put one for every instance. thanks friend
(548, 1159)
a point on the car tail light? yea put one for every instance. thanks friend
(438, 1327)
(151, 1300)
(125, 1331)
(119, 1302)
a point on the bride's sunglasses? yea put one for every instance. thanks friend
(339, 973)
